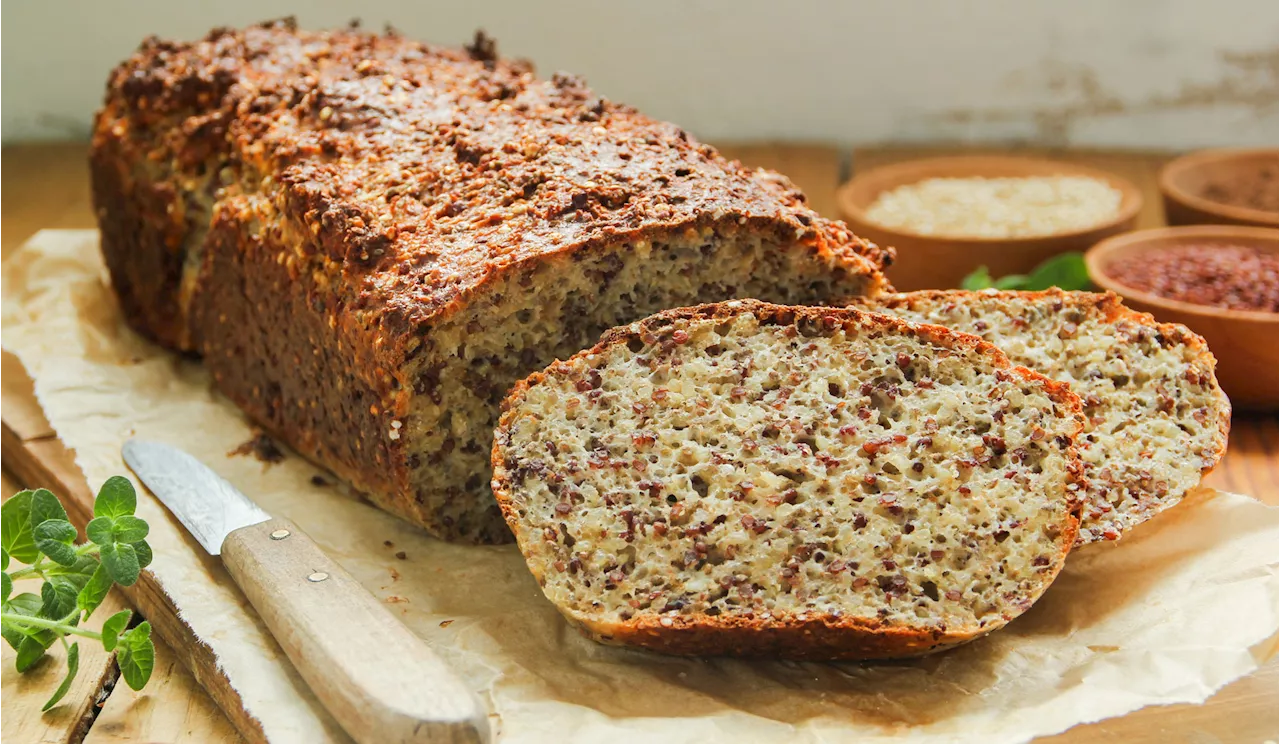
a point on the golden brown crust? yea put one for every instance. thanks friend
(815, 637)
(812, 639)
(422, 172)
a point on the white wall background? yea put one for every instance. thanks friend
(1123, 73)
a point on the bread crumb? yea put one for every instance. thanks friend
(261, 447)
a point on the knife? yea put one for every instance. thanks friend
(380, 681)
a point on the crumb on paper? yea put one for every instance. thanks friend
(388, 543)
(446, 623)
(261, 447)
(395, 575)
(402, 555)
(319, 481)
(396, 599)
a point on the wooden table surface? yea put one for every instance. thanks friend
(47, 187)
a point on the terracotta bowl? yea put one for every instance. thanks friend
(1183, 181)
(937, 262)
(1245, 342)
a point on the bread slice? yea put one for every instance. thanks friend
(1157, 420)
(815, 483)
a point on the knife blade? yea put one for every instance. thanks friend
(208, 506)
(380, 681)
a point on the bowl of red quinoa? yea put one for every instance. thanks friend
(1223, 187)
(1218, 280)
(947, 216)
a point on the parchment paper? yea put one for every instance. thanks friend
(1168, 615)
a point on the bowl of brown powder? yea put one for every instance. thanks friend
(1223, 187)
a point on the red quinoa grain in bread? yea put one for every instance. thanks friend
(812, 483)
(369, 239)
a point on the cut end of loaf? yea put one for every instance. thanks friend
(746, 478)
(527, 319)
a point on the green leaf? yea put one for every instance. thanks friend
(8, 586)
(121, 562)
(84, 567)
(23, 604)
(136, 655)
(979, 279)
(112, 628)
(129, 529)
(55, 529)
(94, 591)
(32, 649)
(1012, 281)
(101, 530)
(75, 580)
(60, 553)
(13, 636)
(144, 553)
(73, 667)
(115, 499)
(1066, 271)
(15, 528)
(4, 559)
(56, 539)
(57, 598)
(45, 506)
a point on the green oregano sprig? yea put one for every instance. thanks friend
(34, 530)
(1066, 271)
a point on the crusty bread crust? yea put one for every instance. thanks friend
(304, 209)
(816, 636)
(1110, 308)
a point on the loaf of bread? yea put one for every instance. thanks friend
(1157, 420)
(369, 239)
(813, 483)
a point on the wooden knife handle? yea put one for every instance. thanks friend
(380, 681)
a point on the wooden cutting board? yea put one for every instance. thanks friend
(48, 189)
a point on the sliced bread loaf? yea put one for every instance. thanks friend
(821, 483)
(1157, 420)
(369, 239)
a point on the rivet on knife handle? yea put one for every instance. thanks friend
(379, 680)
